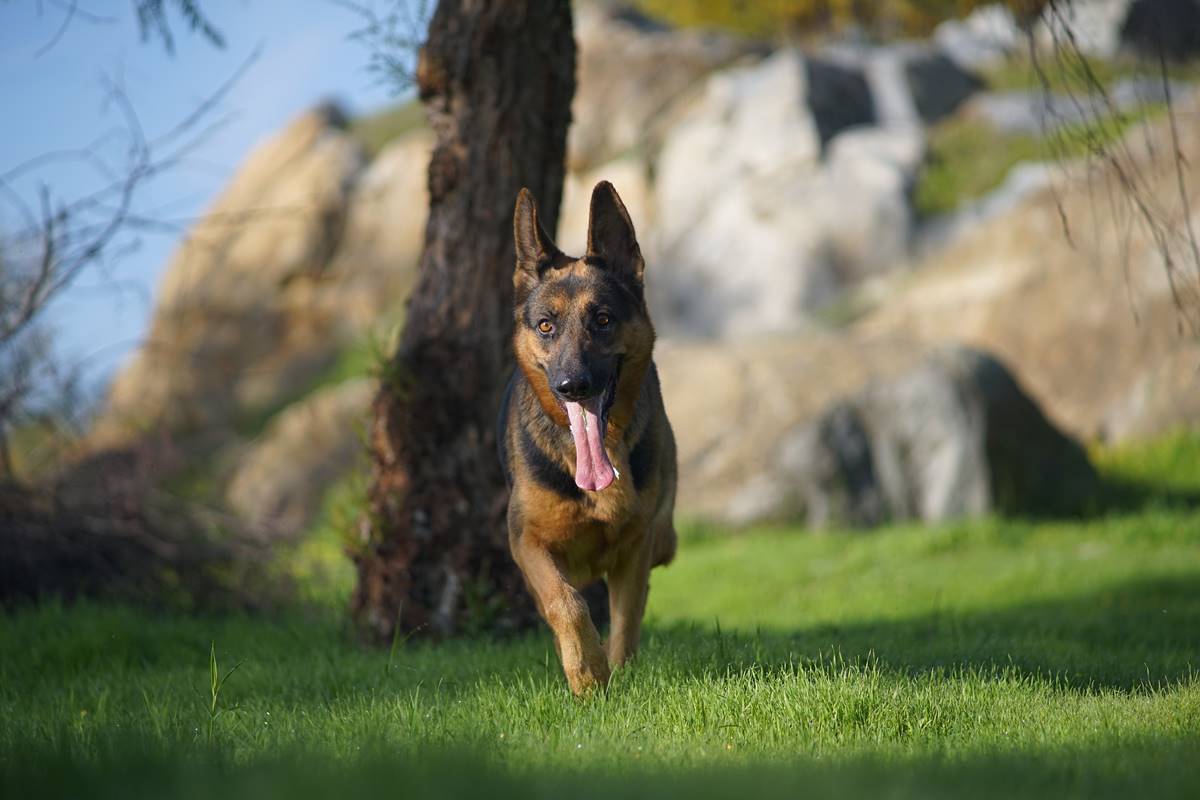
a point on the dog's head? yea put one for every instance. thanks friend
(581, 323)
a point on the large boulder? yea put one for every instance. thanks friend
(863, 199)
(752, 121)
(953, 437)
(789, 181)
(732, 255)
(858, 431)
(763, 213)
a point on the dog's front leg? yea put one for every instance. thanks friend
(566, 612)
(628, 587)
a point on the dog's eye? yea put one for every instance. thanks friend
(602, 320)
(546, 327)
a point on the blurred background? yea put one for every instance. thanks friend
(926, 281)
(909, 261)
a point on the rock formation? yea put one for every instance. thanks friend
(765, 186)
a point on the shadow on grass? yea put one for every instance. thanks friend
(1126, 496)
(1139, 768)
(1137, 636)
(1090, 498)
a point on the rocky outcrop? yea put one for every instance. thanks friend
(763, 188)
(953, 437)
(1097, 316)
(303, 252)
(231, 328)
(858, 432)
(307, 250)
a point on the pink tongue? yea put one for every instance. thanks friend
(593, 470)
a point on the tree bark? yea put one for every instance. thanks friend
(496, 78)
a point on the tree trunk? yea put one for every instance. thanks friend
(496, 78)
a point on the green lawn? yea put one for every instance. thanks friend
(1036, 658)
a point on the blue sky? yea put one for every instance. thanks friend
(55, 100)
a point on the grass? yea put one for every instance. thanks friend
(991, 658)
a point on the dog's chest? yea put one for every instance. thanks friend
(593, 532)
(594, 550)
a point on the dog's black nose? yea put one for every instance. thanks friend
(576, 388)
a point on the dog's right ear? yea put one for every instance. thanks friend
(535, 250)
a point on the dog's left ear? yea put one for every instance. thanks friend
(535, 249)
(611, 237)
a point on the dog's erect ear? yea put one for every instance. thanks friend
(610, 234)
(535, 250)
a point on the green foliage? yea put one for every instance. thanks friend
(1079, 74)
(376, 130)
(1171, 464)
(38, 446)
(967, 158)
(769, 18)
(317, 565)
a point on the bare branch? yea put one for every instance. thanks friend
(1111, 152)
(72, 7)
(70, 236)
(152, 20)
(393, 39)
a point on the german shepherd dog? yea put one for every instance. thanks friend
(583, 436)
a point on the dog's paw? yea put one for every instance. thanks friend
(590, 678)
